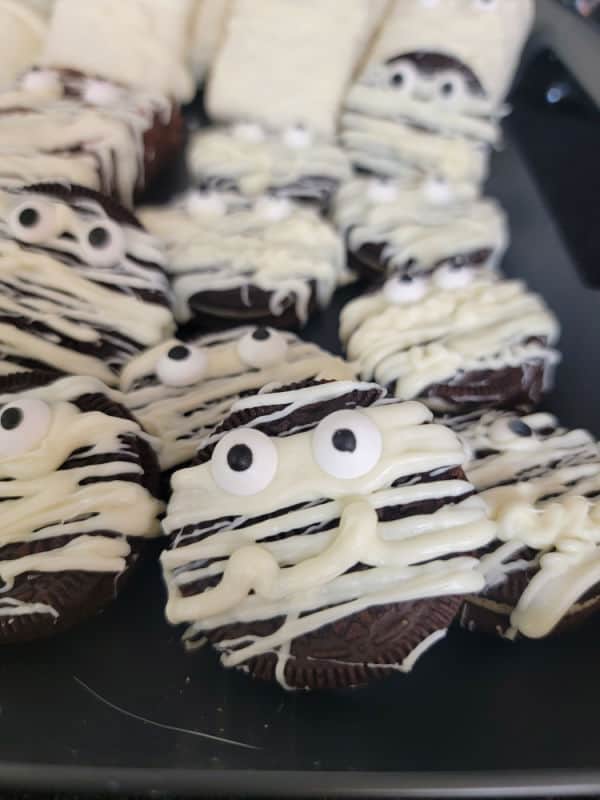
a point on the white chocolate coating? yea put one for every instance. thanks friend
(284, 63)
(542, 487)
(254, 161)
(89, 137)
(423, 222)
(206, 34)
(483, 325)
(222, 243)
(22, 30)
(143, 42)
(42, 501)
(306, 573)
(182, 416)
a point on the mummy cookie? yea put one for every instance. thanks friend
(143, 43)
(418, 226)
(322, 540)
(62, 125)
(253, 160)
(23, 26)
(430, 96)
(541, 483)
(180, 391)
(315, 50)
(83, 289)
(266, 261)
(457, 338)
(73, 465)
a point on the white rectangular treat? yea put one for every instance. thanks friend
(140, 43)
(288, 62)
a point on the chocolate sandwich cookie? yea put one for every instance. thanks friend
(417, 226)
(83, 286)
(429, 98)
(180, 391)
(253, 161)
(322, 538)
(457, 338)
(62, 125)
(231, 260)
(541, 483)
(73, 465)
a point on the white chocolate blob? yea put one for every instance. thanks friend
(307, 576)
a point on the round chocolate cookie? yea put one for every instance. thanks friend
(324, 537)
(265, 261)
(457, 338)
(253, 161)
(417, 226)
(63, 125)
(181, 390)
(73, 464)
(541, 483)
(83, 284)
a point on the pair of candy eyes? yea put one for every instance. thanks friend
(346, 445)
(269, 207)
(185, 364)
(94, 92)
(450, 87)
(404, 289)
(37, 222)
(297, 137)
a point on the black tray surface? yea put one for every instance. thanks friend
(117, 705)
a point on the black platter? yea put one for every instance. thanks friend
(117, 706)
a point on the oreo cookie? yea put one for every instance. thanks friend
(73, 463)
(457, 338)
(324, 537)
(252, 160)
(63, 125)
(181, 390)
(83, 285)
(418, 226)
(541, 483)
(231, 260)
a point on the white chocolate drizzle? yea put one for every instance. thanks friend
(307, 576)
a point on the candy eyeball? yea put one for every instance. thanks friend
(100, 93)
(34, 221)
(297, 137)
(249, 132)
(438, 192)
(262, 347)
(404, 289)
(40, 80)
(23, 425)
(402, 77)
(455, 273)
(205, 203)
(244, 462)
(380, 191)
(451, 88)
(273, 208)
(507, 430)
(103, 244)
(181, 365)
(347, 444)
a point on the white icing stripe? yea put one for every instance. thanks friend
(541, 483)
(249, 247)
(9, 607)
(268, 164)
(331, 525)
(45, 135)
(481, 326)
(182, 416)
(414, 228)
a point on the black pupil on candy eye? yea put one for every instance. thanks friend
(406, 279)
(239, 458)
(344, 440)
(447, 89)
(179, 352)
(11, 418)
(29, 217)
(520, 428)
(398, 79)
(99, 237)
(260, 334)
(458, 262)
